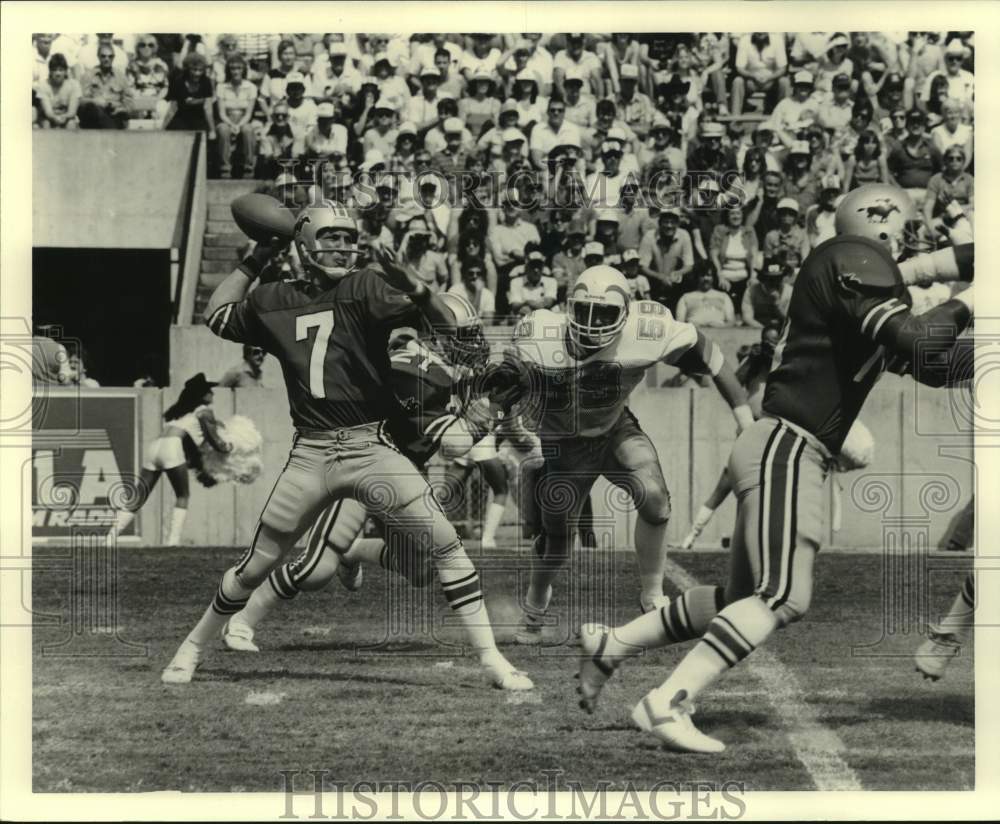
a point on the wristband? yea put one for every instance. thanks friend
(420, 295)
(251, 267)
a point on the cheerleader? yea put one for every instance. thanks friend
(188, 423)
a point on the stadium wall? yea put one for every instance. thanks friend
(921, 475)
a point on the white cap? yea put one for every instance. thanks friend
(629, 71)
(325, 110)
(373, 157)
(595, 247)
(804, 76)
(338, 48)
(630, 254)
(608, 216)
(453, 124)
(294, 77)
(512, 136)
(407, 128)
(573, 73)
(788, 203)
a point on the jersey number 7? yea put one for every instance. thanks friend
(323, 323)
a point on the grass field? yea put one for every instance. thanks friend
(347, 682)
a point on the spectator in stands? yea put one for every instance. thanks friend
(666, 257)
(961, 83)
(191, 98)
(606, 232)
(226, 47)
(480, 109)
(733, 251)
(327, 140)
(915, 160)
(593, 253)
(246, 373)
(42, 53)
(638, 282)
(149, 77)
(434, 139)
(834, 114)
(661, 152)
(950, 193)
(604, 186)
(761, 67)
(585, 61)
(706, 305)
(149, 369)
(78, 361)
(797, 112)
(373, 228)
(765, 302)
(49, 359)
(570, 258)
(635, 108)
(932, 104)
(709, 154)
(633, 220)
(450, 161)
(821, 215)
(417, 250)
(236, 98)
(508, 238)
(277, 143)
(952, 131)
(256, 48)
(834, 63)
(481, 57)
(764, 216)
(749, 184)
(556, 131)
(452, 83)
(580, 108)
(422, 110)
(106, 99)
(846, 141)
(530, 287)
(472, 247)
(889, 99)
(868, 164)
(801, 182)
(788, 234)
(89, 55)
(302, 112)
(393, 90)
(58, 96)
(824, 159)
(762, 140)
(274, 87)
(531, 106)
(333, 75)
(425, 54)
(472, 286)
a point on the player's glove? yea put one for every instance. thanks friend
(258, 264)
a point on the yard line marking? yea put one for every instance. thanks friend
(816, 746)
(264, 699)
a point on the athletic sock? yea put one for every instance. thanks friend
(460, 583)
(651, 556)
(278, 587)
(230, 598)
(731, 636)
(176, 526)
(959, 620)
(685, 618)
(494, 514)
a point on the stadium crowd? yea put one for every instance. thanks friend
(705, 166)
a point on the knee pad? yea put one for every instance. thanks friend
(338, 525)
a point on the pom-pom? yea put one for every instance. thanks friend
(242, 464)
(858, 449)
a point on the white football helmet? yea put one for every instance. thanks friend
(883, 213)
(467, 346)
(319, 253)
(597, 307)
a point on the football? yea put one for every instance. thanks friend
(261, 217)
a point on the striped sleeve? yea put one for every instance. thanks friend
(236, 321)
(875, 312)
(700, 357)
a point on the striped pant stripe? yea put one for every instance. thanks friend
(307, 562)
(765, 475)
(245, 559)
(788, 537)
(282, 584)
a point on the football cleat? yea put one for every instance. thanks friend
(488, 542)
(238, 636)
(503, 675)
(181, 668)
(674, 727)
(933, 655)
(593, 673)
(532, 622)
(350, 574)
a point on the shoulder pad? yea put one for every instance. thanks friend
(859, 265)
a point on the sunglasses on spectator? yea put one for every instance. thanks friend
(556, 110)
(957, 157)
(955, 59)
(147, 45)
(280, 116)
(868, 140)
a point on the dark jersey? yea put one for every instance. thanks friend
(331, 344)
(848, 317)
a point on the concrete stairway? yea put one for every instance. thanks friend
(224, 242)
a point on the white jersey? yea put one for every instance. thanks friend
(191, 425)
(586, 396)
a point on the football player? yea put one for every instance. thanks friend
(423, 379)
(848, 316)
(571, 375)
(330, 335)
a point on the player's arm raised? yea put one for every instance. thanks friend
(405, 278)
(228, 313)
(703, 358)
(945, 265)
(933, 358)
